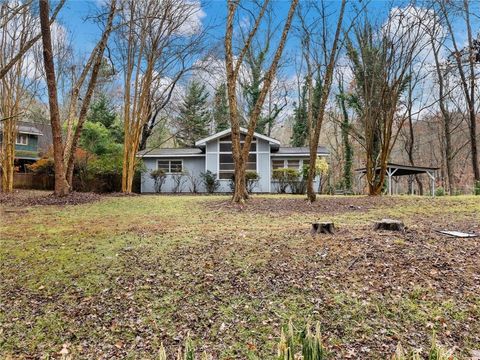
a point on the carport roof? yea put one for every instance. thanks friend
(402, 170)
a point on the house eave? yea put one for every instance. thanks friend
(202, 142)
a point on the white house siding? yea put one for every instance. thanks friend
(193, 165)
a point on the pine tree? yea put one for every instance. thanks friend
(299, 134)
(194, 119)
(220, 109)
(101, 112)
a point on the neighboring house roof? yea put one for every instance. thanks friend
(26, 129)
(202, 142)
(177, 152)
(299, 151)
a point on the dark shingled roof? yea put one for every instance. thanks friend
(300, 150)
(171, 152)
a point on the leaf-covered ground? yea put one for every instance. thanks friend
(116, 277)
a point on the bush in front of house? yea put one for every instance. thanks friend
(284, 178)
(251, 181)
(159, 178)
(210, 181)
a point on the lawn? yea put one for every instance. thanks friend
(116, 277)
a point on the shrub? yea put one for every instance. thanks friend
(193, 182)
(178, 181)
(45, 165)
(440, 191)
(283, 178)
(251, 181)
(476, 188)
(159, 178)
(210, 181)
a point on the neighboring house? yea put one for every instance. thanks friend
(32, 141)
(214, 153)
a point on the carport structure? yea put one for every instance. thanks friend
(395, 170)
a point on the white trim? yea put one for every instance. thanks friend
(228, 131)
(170, 156)
(170, 166)
(21, 143)
(30, 133)
(297, 155)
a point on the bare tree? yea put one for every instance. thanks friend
(64, 153)
(320, 59)
(14, 58)
(465, 61)
(241, 152)
(157, 44)
(18, 86)
(381, 60)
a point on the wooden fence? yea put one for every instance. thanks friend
(99, 184)
(33, 181)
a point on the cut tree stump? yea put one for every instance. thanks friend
(389, 224)
(322, 228)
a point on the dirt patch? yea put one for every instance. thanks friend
(26, 198)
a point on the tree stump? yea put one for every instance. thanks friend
(389, 224)
(322, 228)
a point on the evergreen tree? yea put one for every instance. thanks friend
(101, 112)
(300, 125)
(195, 116)
(220, 109)
(300, 128)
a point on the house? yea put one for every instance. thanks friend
(32, 140)
(214, 153)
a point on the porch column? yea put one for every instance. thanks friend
(390, 174)
(431, 174)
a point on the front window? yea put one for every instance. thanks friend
(22, 139)
(226, 163)
(170, 166)
(282, 164)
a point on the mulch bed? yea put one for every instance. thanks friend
(295, 205)
(26, 198)
(40, 198)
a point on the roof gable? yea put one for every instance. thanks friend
(220, 134)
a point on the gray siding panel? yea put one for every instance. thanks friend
(192, 165)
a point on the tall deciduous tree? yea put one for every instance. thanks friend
(195, 116)
(64, 152)
(18, 85)
(233, 65)
(381, 60)
(313, 63)
(465, 61)
(157, 45)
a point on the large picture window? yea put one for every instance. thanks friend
(226, 164)
(170, 166)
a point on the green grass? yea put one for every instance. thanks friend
(117, 277)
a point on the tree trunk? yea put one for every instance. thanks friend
(8, 154)
(61, 184)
